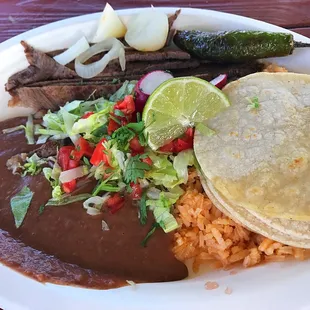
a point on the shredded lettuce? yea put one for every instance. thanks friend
(67, 199)
(94, 121)
(29, 130)
(165, 219)
(126, 89)
(162, 206)
(162, 171)
(57, 193)
(52, 175)
(20, 204)
(181, 162)
(33, 165)
(69, 119)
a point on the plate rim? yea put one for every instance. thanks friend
(89, 17)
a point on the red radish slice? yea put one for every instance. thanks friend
(147, 84)
(140, 98)
(220, 81)
(152, 80)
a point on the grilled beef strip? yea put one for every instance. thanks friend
(47, 84)
(42, 67)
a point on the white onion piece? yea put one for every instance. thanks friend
(147, 31)
(104, 225)
(72, 52)
(72, 174)
(110, 26)
(115, 50)
(95, 202)
(92, 211)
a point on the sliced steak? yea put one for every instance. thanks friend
(52, 97)
(42, 67)
(47, 149)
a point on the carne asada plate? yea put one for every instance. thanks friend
(112, 166)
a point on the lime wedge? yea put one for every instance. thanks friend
(177, 104)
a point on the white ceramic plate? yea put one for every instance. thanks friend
(273, 286)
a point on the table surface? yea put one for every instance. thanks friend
(17, 16)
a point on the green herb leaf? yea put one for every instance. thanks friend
(254, 103)
(143, 209)
(149, 234)
(65, 200)
(86, 161)
(20, 204)
(119, 113)
(41, 209)
(122, 136)
(34, 164)
(136, 127)
(135, 169)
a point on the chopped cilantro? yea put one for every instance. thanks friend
(86, 161)
(254, 103)
(136, 127)
(149, 234)
(135, 169)
(122, 136)
(143, 209)
(41, 209)
(116, 120)
(119, 113)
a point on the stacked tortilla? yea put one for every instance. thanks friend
(257, 164)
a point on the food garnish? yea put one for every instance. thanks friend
(147, 31)
(109, 26)
(178, 104)
(253, 103)
(20, 204)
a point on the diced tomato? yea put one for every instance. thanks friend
(66, 162)
(189, 133)
(83, 148)
(135, 146)
(147, 160)
(64, 156)
(167, 148)
(127, 105)
(69, 187)
(87, 115)
(181, 145)
(115, 202)
(99, 155)
(136, 192)
(112, 126)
